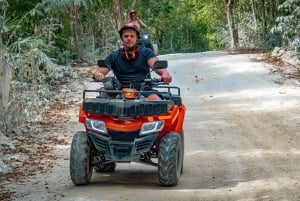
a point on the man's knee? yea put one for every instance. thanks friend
(153, 97)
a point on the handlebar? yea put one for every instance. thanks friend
(94, 79)
(112, 83)
(153, 82)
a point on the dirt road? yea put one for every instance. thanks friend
(242, 141)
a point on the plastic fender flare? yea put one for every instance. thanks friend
(82, 114)
(179, 126)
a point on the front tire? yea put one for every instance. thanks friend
(182, 142)
(170, 159)
(80, 159)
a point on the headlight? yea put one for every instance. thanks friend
(95, 125)
(151, 127)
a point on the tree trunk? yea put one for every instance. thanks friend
(74, 30)
(253, 12)
(133, 4)
(117, 14)
(231, 23)
(263, 17)
(275, 4)
(1, 48)
(5, 76)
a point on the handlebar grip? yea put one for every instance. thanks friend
(156, 80)
(95, 80)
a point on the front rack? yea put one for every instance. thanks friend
(121, 107)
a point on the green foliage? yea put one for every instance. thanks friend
(251, 35)
(34, 74)
(3, 7)
(180, 26)
(175, 25)
(27, 50)
(49, 6)
(288, 23)
(32, 64)
(40, 36)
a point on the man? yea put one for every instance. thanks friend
(132, 63)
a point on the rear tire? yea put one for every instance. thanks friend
(170, 159)
(80, 159)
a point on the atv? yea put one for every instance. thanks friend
(145, 41)
(121, 126)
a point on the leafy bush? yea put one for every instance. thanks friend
(288, 23)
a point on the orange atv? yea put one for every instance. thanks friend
(121, 126)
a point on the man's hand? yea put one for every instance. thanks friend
(98, 76)
(100, 73)
(166, 77)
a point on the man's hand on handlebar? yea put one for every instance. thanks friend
(98, 76)
(166, 77)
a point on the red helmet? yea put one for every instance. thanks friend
(129, 26)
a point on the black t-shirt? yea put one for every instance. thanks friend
(130, 73)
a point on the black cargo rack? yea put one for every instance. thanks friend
(120, 107)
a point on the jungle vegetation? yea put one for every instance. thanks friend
(41, 39)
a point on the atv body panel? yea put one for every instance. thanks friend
(145, 41)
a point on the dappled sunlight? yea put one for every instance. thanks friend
(274, 99)
(267, 189)
(258, 153)
(63, 147)
(245, 170)
(243, 67)
(255, 99)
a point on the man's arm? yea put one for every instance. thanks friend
(141, 23)
(163, 73)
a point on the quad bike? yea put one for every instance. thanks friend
(145, 41)
(121, 126)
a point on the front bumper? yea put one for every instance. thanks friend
(122, 147)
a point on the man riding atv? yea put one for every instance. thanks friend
(132, 63)
(133, 118)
